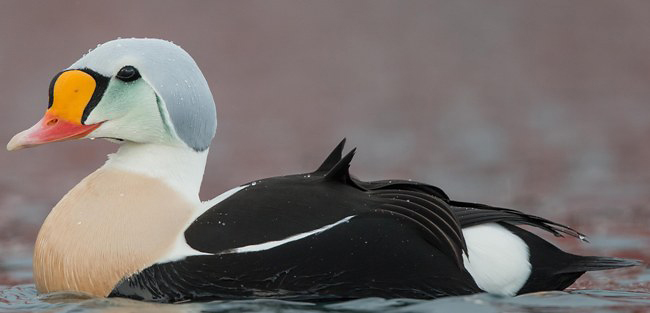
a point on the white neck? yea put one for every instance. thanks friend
(180, 167)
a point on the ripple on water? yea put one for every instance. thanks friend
(23, 298)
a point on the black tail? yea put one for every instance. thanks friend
(597, 263)
(554, 269)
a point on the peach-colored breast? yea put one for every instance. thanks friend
(111, 225)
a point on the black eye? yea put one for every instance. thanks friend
(128, 74)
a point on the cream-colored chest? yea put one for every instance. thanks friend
(112, 224)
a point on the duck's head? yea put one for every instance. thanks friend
(134, 90)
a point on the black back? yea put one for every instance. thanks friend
(398, 242)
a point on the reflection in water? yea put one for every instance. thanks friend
(23, 298)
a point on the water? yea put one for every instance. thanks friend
(23, 298)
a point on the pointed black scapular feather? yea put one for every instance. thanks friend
(340, 170)
(332, 159)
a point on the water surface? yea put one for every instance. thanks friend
(23, 298)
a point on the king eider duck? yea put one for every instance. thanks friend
(136, 227)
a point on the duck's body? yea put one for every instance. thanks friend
(136, 227)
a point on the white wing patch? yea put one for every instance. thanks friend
(210, 203)
(181, 249)
(276, 243)
(499, 261)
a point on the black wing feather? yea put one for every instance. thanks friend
(470, 214)
(438, 206)
(445, 241)
(439, 214)
(467, 213)
(398, 184)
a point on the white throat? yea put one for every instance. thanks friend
(180, 167)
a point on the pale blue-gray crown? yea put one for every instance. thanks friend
(173, 75)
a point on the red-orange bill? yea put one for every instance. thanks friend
(49, 129)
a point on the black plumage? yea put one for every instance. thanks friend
(393, 238)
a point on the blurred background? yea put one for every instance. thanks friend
(542, 106)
